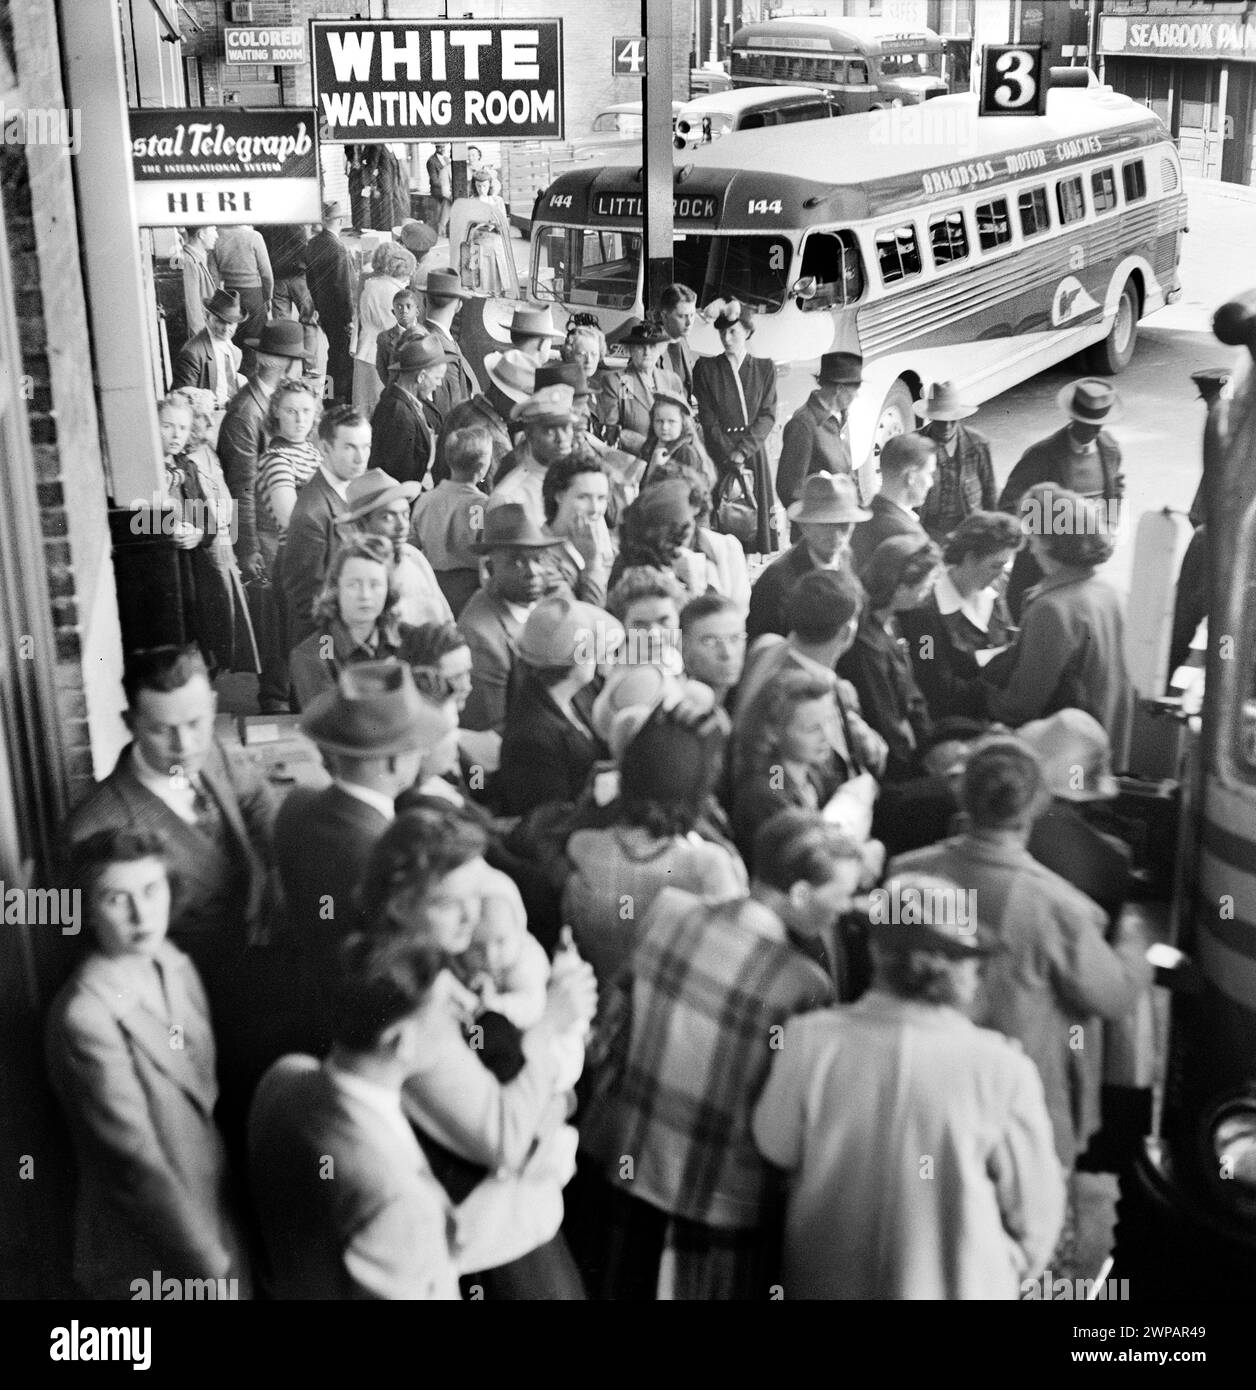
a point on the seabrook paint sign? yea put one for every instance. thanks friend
(438, 80)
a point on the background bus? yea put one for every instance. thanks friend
(982, 257)
(862, 64)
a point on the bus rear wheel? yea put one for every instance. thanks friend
(1114, 353)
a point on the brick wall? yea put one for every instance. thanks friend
(42, 231)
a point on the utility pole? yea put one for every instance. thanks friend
(657, 149)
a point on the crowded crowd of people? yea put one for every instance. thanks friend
(708, 895)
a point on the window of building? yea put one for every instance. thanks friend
(1032, 206)
(994, 228)
(1134, 180)
(832, 260)
(949, 238)
(1070, 200)
(898, 253)
(1103, 190)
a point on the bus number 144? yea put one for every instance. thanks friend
(761, 205)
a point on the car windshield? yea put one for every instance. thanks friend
(754, 269)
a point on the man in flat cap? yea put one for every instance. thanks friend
(548, 421)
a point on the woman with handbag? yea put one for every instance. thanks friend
(736, 395)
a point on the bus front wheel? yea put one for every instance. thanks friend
(1114, 353)
(897, 416)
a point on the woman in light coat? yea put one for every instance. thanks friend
(917, 1146)
(391, 266)
(131, 1057)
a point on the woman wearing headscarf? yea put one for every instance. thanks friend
(860, 1096)
(736, 395)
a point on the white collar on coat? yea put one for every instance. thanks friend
(977, 608)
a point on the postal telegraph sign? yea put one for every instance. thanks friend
(470, 79)
(203, 166)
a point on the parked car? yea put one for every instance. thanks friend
(711, 117)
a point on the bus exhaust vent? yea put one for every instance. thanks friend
(1168, 174)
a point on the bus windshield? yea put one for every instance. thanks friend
(754, 269)
(910, 64)
(584, 266)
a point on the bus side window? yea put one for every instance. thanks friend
(993, 228)
(948, 238)
(1134, 178)
(1032, 206)
(857, 74)
(897, 253)
(1070, 200)
(1103, 190)
(833, 259)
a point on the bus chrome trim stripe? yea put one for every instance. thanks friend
(1225, 903)
(1228, 972)
(1230, 809)
(1230, 846)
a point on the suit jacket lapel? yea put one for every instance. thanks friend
(184, 1056)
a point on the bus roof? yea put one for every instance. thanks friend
(737, 99)
(864, 36)
(856, 167)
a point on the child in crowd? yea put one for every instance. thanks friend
(406, 311)
(448, 519)
(673, 440)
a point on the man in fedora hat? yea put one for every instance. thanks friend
(372, 731)
(405, 421)
(510, 380)
(513, 550)
(549, 427)
(379, 505)
(815, 439)
(209, 359)
(242, 437)
(908, 465)
(329, 275)
(244, 266)
(825, 513)
(965, 480)
(1082, 457)
(532, 331)
(444, 296)
(627, 397)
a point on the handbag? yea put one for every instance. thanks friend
(736, 513)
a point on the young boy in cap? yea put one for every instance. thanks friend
(965, 478)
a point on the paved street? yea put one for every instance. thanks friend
(1164, 418)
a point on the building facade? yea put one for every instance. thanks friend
(1195, 66)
